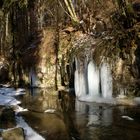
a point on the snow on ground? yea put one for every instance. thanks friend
(30, 134)
(50, 111)
(12, 91)
(19, 109)
(8, 101)
(127, 118)
(7, 96)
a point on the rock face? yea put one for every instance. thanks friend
(13, 134)
(123, 60)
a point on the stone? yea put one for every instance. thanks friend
(13, 134)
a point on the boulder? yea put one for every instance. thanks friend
(13, 134)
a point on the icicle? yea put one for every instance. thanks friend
(106, 81)
(76, 83)
(93, 80)
(82, 80)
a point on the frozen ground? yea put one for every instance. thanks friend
(7, 96)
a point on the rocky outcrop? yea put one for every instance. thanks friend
(120, 49)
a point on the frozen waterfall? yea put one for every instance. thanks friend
(89, 79)
(80, 83)
(106, 81)
(93, 79)
(80, 79)
(76, 83)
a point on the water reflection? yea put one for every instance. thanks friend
(41, 100)
(75, 120)
(68, 110)
(96, 114)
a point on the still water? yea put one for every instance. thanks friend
(70, 119)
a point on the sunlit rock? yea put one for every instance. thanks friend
(13, 134)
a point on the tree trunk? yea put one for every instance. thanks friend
(56, 44)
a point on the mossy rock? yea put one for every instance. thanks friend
(13, 134)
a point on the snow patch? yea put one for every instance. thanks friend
(98, 100)
(50, 111)
(8, 101)
(19, 109)
(6, 96)
(12, 91)
(127, 118)
(30, 134)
